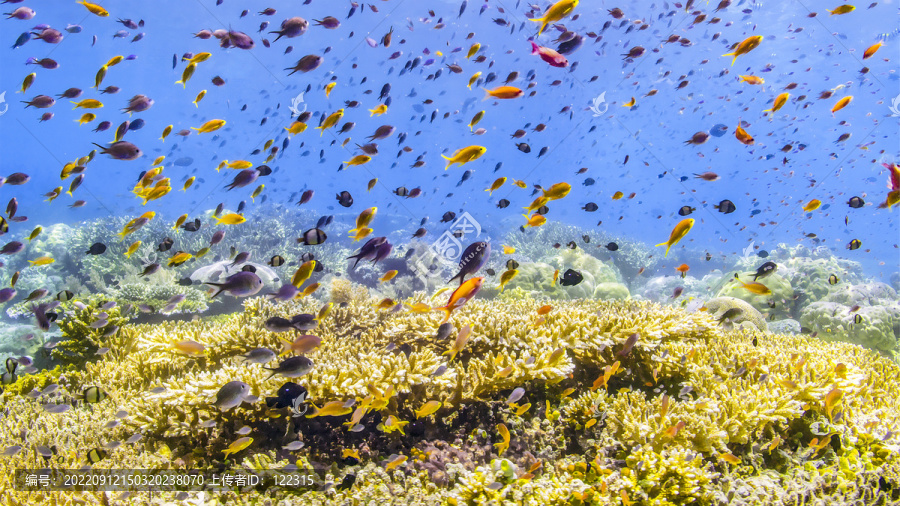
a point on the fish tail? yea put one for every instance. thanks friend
(487, 95)
(287, 345)
(219, 290)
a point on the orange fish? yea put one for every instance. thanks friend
(683, 269)
(844, 102)
(460, 296)
(743, 136)
(503, 92)
(871, 50)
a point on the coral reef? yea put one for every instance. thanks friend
(685, 412)
(865, 314)
(718, 306)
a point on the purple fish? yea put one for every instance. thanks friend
(241, 284)
(11, 248)
(291, 27)
(121, 150)
(285, 293)
(49, 35)
(7, 294)
(368, 250)
(473, 258)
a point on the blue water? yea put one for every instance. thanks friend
(826, 53)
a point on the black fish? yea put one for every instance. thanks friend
(345, 199)
(612, 246)
(276, 261)
(854, 244)
(166, 245)
(726, 207)
(512, 264)
(286, 396)
(686, 210)
(856, 202)
(98, 248)
(185, 281)
(503, 204)
(765, 270)
(590, 207)
(571, 278)
(312, 237)
(448, 216)
(192, 226)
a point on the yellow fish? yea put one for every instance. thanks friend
(506, 277)
(230, 219)
(29, 79)
(557, 191)
(464, 155)
(88, 103)
(308, 290)
(496, 185)
(238, 445)
(419, 307)
(508, 250)
(476, 118)
(131, 249)
(472, 81)
(473, 50)
(330, 121)
(200, 57)
(296, 128)
(812, 205)
(328, 87)
(378, 111)
(630, 103)
(186, 75)
(428, 408)
(503, 445)
(364, 218)
(303, 273)
(394, 461)
(681, 229)
(389, 275)
(199, 98)
(556, 12)
(34, 233)
(210, 126)
(333, 408)
(747, 45)
(115, 60)
(358, 160)
(179, 258)
(180, 221)
(843, 9)
(37, 262)
(95, 9)
(535, 220)
(259, 189)
(754, 287)
(86, 118)
(188, 183)
(393, 424)
(780, 100)
(98, 79)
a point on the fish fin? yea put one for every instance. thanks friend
(219, 290)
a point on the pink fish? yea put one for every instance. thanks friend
(550, 56)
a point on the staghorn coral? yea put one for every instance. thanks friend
(686, 394)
